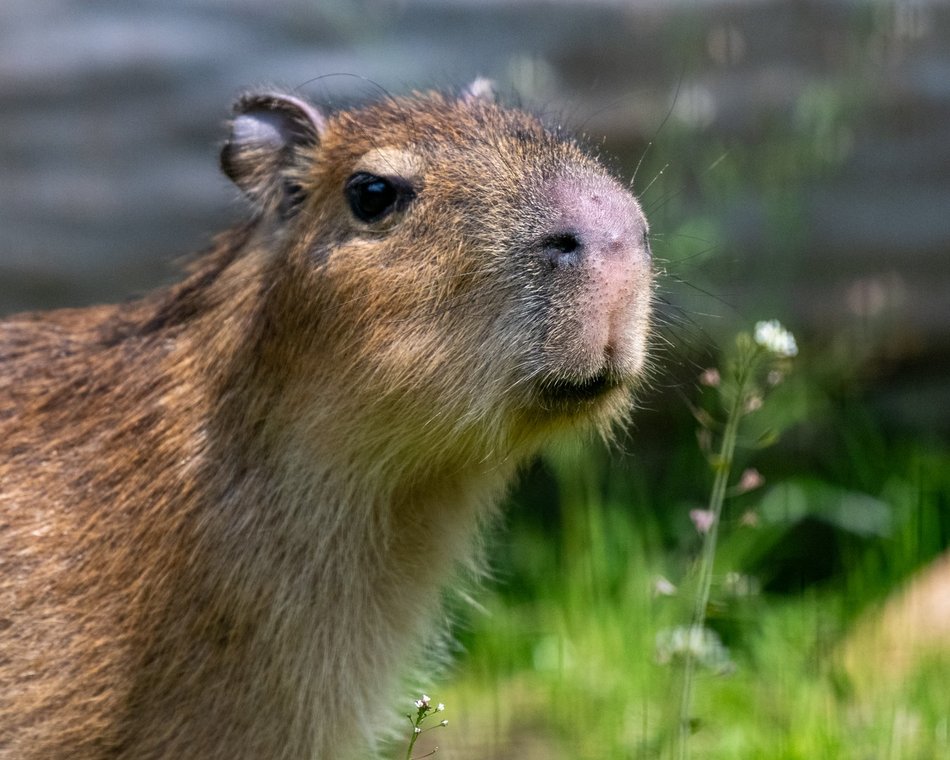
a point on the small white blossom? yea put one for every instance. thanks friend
(775, 338)
(753, 403)
(699, 642)
(417, 730)
(663, 586)
(440, 707)
(444, 723)
(422, 704)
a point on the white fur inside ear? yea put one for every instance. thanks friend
(261, 151)
(259, 129)
(312, 114)
(480, 89)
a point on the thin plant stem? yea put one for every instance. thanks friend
(717, 496)
(412, 743)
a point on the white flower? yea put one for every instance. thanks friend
(663, 586)
(440, 707)
(752, 404)
(422, 704)
(699, 642)
(775, 338)
(444, 723)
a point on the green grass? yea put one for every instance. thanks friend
(562, 663)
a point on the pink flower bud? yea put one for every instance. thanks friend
(703, 519)
(750, 480)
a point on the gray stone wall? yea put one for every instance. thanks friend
(804, 145)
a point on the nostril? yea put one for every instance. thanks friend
(566, 243)
(562, 250)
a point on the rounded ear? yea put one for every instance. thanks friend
(266, 131)
(480, 89)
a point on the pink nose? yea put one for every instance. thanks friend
(597, 248)
(594, 219)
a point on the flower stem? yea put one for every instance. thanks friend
(723, 467)
(412, 743)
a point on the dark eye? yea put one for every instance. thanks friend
(372, 198)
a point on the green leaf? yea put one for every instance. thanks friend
(851, 511)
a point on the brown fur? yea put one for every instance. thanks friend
(227, 509)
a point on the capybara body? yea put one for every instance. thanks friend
(227, 509)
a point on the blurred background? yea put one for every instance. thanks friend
(793, 157)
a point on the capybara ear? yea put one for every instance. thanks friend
(480, 89)
(267, 131)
